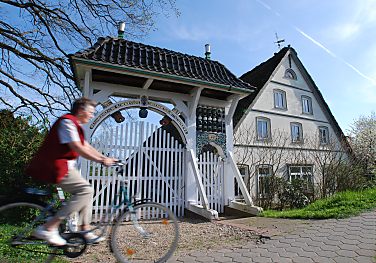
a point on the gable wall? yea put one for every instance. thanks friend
(280, 119)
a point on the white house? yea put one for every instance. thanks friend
(285, 128)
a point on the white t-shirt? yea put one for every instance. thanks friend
(67, 132)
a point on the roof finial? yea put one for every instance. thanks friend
(279, 41)
(207, 51)
(121, 30)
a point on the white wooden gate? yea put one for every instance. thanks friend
(212, 170)
(154, 167)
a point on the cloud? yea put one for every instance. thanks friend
(317, 43)
(190, 34)
(359, 17)
(344, 31)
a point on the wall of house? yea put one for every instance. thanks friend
(279, 151)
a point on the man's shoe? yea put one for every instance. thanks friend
(52, 237)
(92, 238)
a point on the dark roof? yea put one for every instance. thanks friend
(257, 77)
(155, 59)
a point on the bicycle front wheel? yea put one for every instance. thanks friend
(17, 221)
(150, 233)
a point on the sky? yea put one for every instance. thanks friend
(335, 40)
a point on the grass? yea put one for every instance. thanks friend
(9, 254)
(340, 205)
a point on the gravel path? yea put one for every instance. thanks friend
(195, 234)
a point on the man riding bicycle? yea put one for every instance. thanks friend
(55, 162)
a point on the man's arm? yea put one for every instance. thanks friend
(87, 151)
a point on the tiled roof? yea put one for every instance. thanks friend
(257, 77)
(155, 59)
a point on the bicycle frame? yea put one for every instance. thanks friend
(124, 200)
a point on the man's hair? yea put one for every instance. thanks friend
(82, 103)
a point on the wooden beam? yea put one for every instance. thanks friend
(198, 177)
(239, 179)
(194, 101)
(147, 84)
(180, 105)
(87, 83)
(230, 114)
(101, 96)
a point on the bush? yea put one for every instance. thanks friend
(18, 142)
(293, 194)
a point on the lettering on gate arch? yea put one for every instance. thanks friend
(173, 114)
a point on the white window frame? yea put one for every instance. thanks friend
(296, 127)
(323, 135)
(264, 135)
(260, 189)
(307, 105)
(280, 99)
(307, 177)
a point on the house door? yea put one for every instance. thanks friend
(154, 166)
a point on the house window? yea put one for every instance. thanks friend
(264, 171)
(324, 135)
(296, 132)
(243, 169)
(263, 128)
(302, 172)
(290, 74)
(307, 105)
(279, 99)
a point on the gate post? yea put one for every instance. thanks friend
(190, 182)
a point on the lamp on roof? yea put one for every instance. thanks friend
(121, 30)
(207, 51)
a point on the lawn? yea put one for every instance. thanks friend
(21, 254)
(340, 205)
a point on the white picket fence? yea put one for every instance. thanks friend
(154, 167)
(212, 171)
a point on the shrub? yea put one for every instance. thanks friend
(294, 194)
(18, 142)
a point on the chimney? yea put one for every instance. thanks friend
(207, 51)
(121, 30)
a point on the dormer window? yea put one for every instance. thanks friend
(279, 99)
(290, 74)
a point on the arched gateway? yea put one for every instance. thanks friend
(187, 161)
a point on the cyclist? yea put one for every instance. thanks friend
(55, 162)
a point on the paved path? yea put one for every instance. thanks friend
(325, 241)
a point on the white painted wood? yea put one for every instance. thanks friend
(87, 83)
(152, 167)
(198, 179)
(147, 84)
(211, 167)
(101, 96)
(239, 179)
(230, 114)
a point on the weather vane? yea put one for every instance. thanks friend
(279, 41)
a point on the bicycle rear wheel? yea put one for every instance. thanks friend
(148, 234)
(17, 221)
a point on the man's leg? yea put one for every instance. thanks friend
(82, 197)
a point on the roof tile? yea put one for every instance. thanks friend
(138, 55)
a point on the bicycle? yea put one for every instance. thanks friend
(21, 215)
(141, 231)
